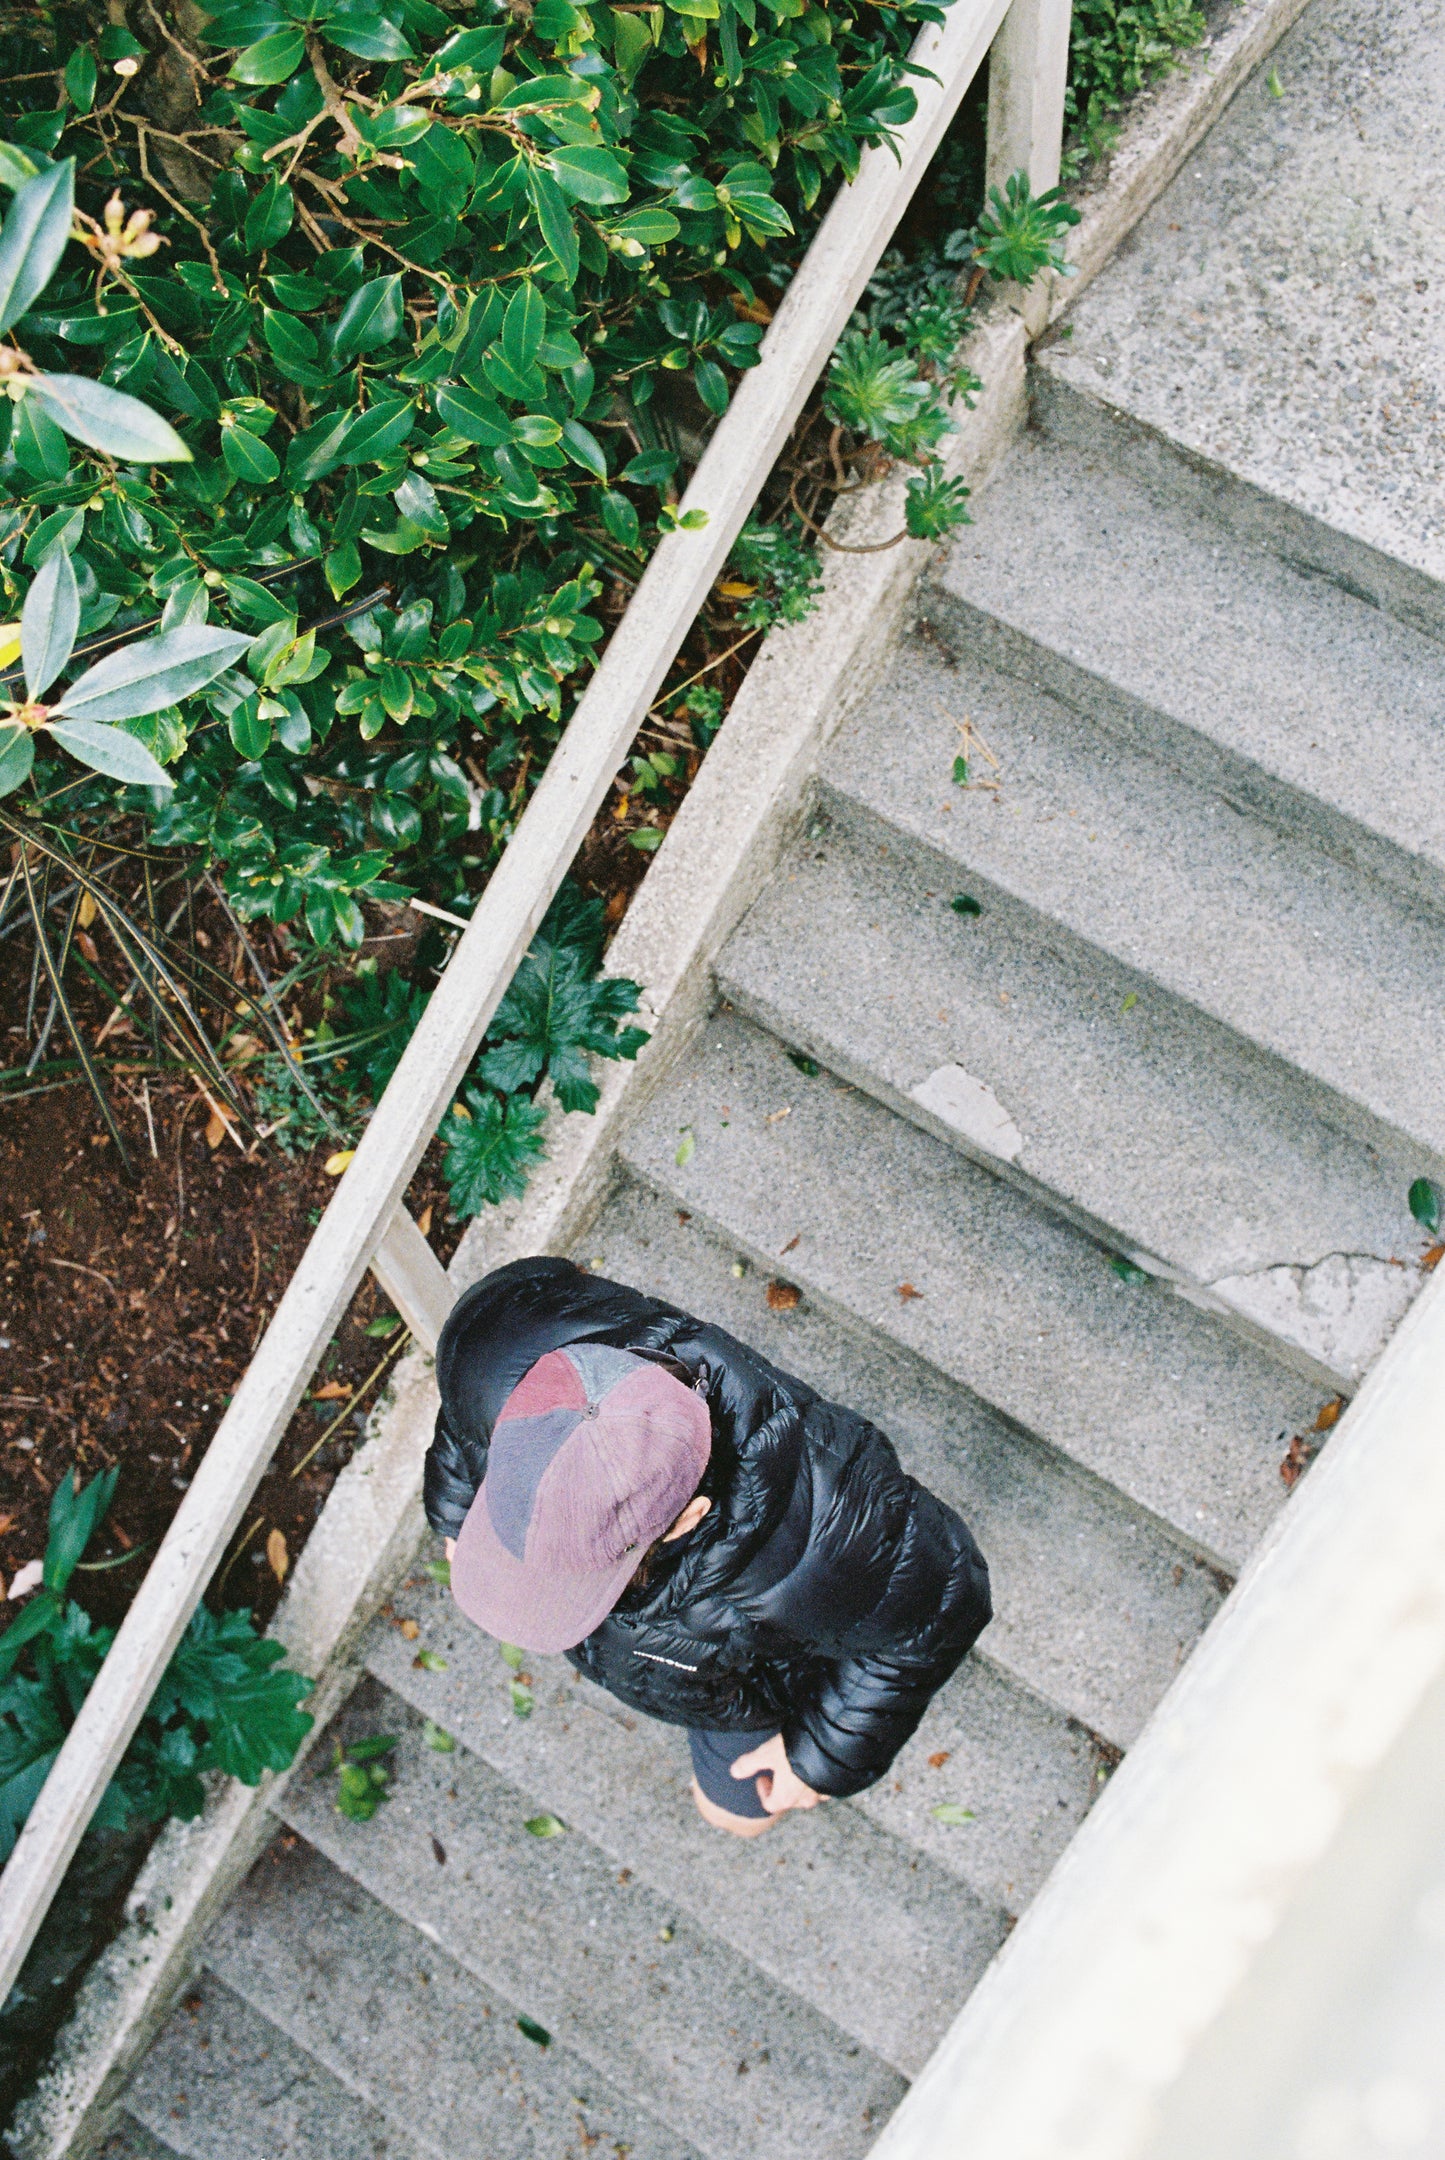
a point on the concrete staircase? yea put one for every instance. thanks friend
(1061, 1121)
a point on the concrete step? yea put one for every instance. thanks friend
(695, 2036)
(1095, 1608)
(1291, 698)
(223, 2083)
(1078, 406)
(890, 1969)
(406, 2028)
(1339, 977)
(1280, 312)
(1028, 1773)
(1162, 1134)
(128, 2141)
(881, 1224)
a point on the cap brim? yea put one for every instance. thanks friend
(543, 1613)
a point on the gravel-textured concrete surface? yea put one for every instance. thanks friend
(1281, 310)
(671, 2016)
(1051, 1536)
(1296, 699)
(128, 2141)
(408, 2029)
(1150, 1124)
(1328, 971)
(224, 2083)
(888, 1226)
(891, 1971)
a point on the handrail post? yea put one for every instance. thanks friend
(1028, 69)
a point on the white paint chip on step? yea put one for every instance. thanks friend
(971, 1108)
(1342, 1310)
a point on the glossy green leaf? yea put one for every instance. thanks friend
(49, 622)
(544, 1826)
(523, 327)
(248, 457)
(554, 220)
(365, 33)
(294, 343)
(589, 175)
(371, 317)
(480, 419)
(343, 568)
(271, 59)
(80, 78)
(270, 216)
(952, 1814)
(584, 449)
(374, 434)
(32, 241)
(531, 2030)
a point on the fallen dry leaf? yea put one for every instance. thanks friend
(773, 1116)
(936, 1762)
(338, 1162)
(215, 1129)
(278, 1559)
(332, 1392)
(86, 912)
(7, 1522)
(907, 1292)
(87, 945)
(795, 1239)
(27, 1578)
(782, 1296)
(1330, 1415)
(423, 1221)
(1431, 1260)
(409, 1629)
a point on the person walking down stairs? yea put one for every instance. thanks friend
(710, 1540)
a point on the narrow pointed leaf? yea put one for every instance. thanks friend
(111, 751)
(54, 966)
(33, 239)
(153, 672)
(17, 755)
(109, 421)
(49, 622)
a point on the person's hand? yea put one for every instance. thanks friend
(782, 1788)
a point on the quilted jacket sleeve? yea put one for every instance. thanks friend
(451, 1478)
(889, 1597)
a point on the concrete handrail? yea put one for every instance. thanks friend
(365, 1224)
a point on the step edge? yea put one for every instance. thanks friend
(1360, 842)
(1069, 411)
(592, 2052)
(1113, 1239)
(847, 1316)
(1351, 1112)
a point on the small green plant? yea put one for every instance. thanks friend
(221, 1704)
(364, 1777)
(492, 1146)
(784, 571)
(1116, 47)
(1021, 235)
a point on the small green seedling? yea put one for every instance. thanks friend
(364, 1776)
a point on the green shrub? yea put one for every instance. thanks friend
(219, 1706)
(1114, 52)
(445, 299)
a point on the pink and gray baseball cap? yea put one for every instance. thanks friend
(595, 1454)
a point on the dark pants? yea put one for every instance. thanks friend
(713, 1755)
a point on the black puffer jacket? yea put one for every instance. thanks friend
(825, 1594)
